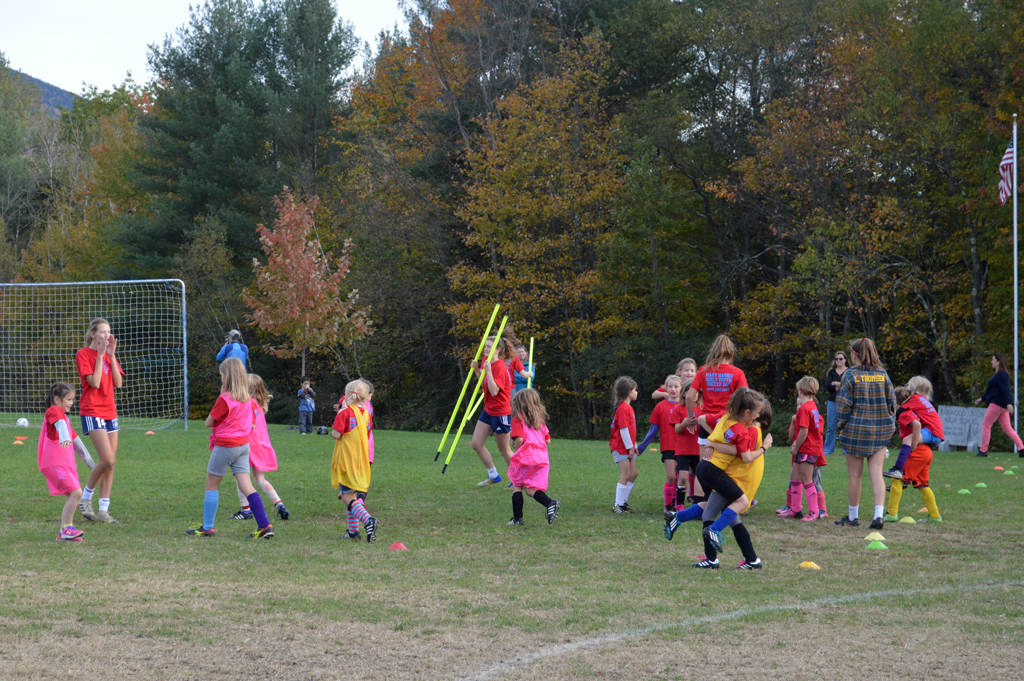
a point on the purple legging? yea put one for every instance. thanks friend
(996, 413)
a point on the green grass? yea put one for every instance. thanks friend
(466, 574)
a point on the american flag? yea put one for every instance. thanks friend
(1006, 175)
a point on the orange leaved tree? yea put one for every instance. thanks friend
(298, 293)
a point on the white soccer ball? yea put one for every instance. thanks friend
(23, 423)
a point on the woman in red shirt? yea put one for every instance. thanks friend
(100, 374)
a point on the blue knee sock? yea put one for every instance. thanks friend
(728, 515)
(210, 508)
(692, 513)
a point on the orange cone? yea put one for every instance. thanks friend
(398, 546)
(150, 432)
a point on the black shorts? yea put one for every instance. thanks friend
(714, 479)
(668, 455)
(687, 462)
(703, 434)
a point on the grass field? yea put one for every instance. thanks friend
(596, 595)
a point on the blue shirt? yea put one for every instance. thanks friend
(520, 381)
(233, 350)
(306, 403)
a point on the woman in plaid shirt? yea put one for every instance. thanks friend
(866, 411)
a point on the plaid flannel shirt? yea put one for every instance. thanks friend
(865, 411)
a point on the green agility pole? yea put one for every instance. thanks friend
(479, 386)
(469, 377)
(529, 365)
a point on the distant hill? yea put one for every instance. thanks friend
(53, 98)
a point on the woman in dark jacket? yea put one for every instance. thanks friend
(833, 380)
(1000, 405)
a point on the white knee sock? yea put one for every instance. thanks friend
(620, 494)
(104, 505)
(629, 490)
(87, 493)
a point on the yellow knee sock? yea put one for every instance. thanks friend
(895, 492)
(929, 501)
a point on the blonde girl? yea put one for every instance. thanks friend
(262, 457)
(715, 382)
(662, 428)
(530, 464)
(350, 465)
(100, 374)
(496, 416)
(808, 450)
(685, 370)
(623, 441)
(232, 421)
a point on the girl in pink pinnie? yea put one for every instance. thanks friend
(57, 439)
(529, 467)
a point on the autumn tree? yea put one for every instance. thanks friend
(542, 188)
(297, 294)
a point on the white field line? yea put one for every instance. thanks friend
(496, 670)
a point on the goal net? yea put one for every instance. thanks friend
(42, 327)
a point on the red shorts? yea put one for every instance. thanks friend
(915, 472)
(63, 480)
(534, 477)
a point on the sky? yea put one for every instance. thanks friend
(70, 42)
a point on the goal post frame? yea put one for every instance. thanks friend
(177, 283)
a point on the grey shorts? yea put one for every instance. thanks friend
(619, 458)
(224, 458)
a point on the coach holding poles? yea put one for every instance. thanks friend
(866, 418)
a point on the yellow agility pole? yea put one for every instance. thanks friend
(469, 377)
(479, 383)
(529, 365)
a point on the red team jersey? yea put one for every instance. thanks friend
(686, 442)
(661, 417)
(346, 419)
(717, 385)
(500, 404)
(624, 418)
(807, 416)
(926, 414)
(98, 402)
(54, 414)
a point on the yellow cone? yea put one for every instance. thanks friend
(874, 536)
(907, 519)
(809, 565)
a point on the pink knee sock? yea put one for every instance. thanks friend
(795, 497)
(812, 498)
(821, 501)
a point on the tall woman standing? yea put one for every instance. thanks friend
(100, 374)
(866, 418)
(833, 380)
(1000, 406)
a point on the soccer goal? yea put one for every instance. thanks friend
(42, 326)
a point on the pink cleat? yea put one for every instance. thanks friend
(782, 510)
(788, 513)
(70, 534)
(810, 517)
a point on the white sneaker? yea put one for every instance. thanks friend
(489, 481)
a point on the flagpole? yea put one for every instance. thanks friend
(1016, 323)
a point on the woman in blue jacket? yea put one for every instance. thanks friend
(1000, 405)
(233, 347)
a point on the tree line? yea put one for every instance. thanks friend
(627, 178)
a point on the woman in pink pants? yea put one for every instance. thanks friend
(1000, 406)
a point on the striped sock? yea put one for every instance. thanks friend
(353, 523)
(360, 512)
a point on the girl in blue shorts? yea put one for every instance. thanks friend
(497, 414)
